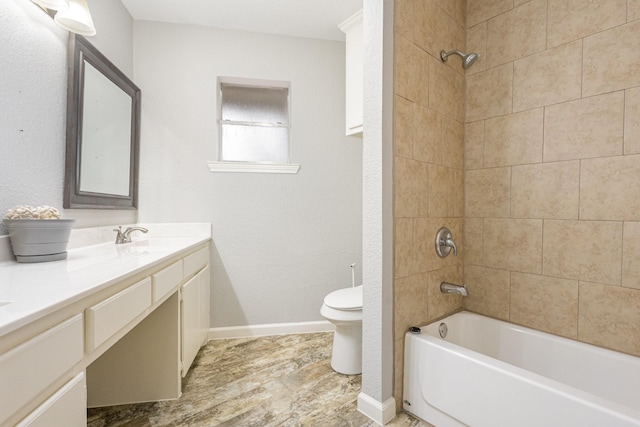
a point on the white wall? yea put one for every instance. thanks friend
(281, 242)
(114, 28)
(33, 88)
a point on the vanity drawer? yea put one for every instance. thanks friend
(111, 315)
(166, 280)
(194, 262)
(35, 364)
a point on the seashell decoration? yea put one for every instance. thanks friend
(29, 212)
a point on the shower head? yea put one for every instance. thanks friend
(467, 59)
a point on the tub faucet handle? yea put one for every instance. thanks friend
(444, 243)
(450, 243)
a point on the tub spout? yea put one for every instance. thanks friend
(450, 288)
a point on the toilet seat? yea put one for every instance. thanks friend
(345, 299)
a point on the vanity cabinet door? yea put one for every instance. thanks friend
(67, 407)
(190, 320)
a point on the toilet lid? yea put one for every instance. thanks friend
(345, 299)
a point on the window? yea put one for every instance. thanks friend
(253, 121)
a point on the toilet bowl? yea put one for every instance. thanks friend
(343, 308)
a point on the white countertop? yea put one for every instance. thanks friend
(38, 289)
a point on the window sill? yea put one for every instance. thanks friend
(253, 167)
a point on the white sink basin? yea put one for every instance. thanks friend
(5, 303)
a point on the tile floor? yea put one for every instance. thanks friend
(268, 381)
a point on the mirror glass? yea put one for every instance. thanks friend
(102, 132)
(106, 136)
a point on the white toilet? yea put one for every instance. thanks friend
(343, 308)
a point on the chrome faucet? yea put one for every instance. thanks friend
(125, 236)
(450, 288)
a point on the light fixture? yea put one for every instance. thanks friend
(52, 4)
(71, 15)
(76, 18)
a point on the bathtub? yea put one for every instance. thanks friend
(486, 372)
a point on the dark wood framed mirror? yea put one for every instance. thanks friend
(103, 132)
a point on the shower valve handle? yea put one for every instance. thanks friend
(444, 243)
(450, 243)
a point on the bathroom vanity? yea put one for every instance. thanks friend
(112, 324)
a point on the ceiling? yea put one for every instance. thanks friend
(301, 18)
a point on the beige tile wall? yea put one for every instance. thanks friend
(542, 133)
(429, 162)
(552, 167)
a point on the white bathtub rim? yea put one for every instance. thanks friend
(537, 380)
(526, 330)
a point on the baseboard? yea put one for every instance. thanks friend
(381, 413)
(270, 329)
